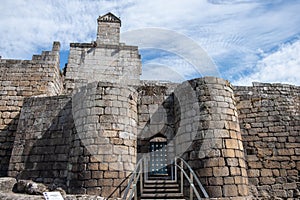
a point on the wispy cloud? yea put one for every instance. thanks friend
(281, 66)
(231, 31)
(240, 1)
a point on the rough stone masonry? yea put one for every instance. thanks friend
(83, 129)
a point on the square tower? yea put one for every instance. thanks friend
(108, 29)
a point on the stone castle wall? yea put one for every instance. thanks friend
(105, 59)
(107, 63)
(43, 140)
(85, 143)
(209, 137)
(105, 117)
(269, 116)
(20, 79)
(240, 141)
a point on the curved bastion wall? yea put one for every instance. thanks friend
(208, 136)
(85, 143)
(105, 117)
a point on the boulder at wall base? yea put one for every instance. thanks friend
(29, 187)
(7, 183)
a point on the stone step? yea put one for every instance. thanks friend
(160, 177)
(173, 185)
(162, 196)
(159, 181)
(160, 190)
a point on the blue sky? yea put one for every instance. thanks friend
(246, 40)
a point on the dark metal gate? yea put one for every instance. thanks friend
(158, 158)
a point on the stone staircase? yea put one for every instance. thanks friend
(161, 189)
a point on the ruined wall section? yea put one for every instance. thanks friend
(208, 136)
(19, 79)
(269, 116)
(103, 62)
(43, 140)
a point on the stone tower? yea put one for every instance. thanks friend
(105, 60)
(108, 31)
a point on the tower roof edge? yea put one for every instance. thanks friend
(109, 17)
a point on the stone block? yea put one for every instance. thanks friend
(116, 166)
(228, 180)
(110, 174)
(97, 174)
(105, 182)
(105, 149)
(206, 172)
(221, 133)
(231, 144)
(266, 172)
(239, 153)
(292, 173)
(290, 186)
(120, 150)
(129, 143)
(93, 166)
(124, 135)
(85, 175)
(272, 164)
(215, 181)
(230, 190)
(96, 158)
(285, 152)
(117, 141)
(243, 190)
(94, 191)
(238, 180)
(267, 180)
(108, 133)
(110, 158)
(214, 191)
(91, 183)
(232, 161)
(215, 162)
(255, 165)
(242, 163)
(280, 194)
(235, 171)
(216, 124)
(220, 171)
(244, 172)
(228, 153)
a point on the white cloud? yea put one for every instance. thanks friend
(223, 28)
(169, 68)
(240, 1)
(174, 43)
(282, 66)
